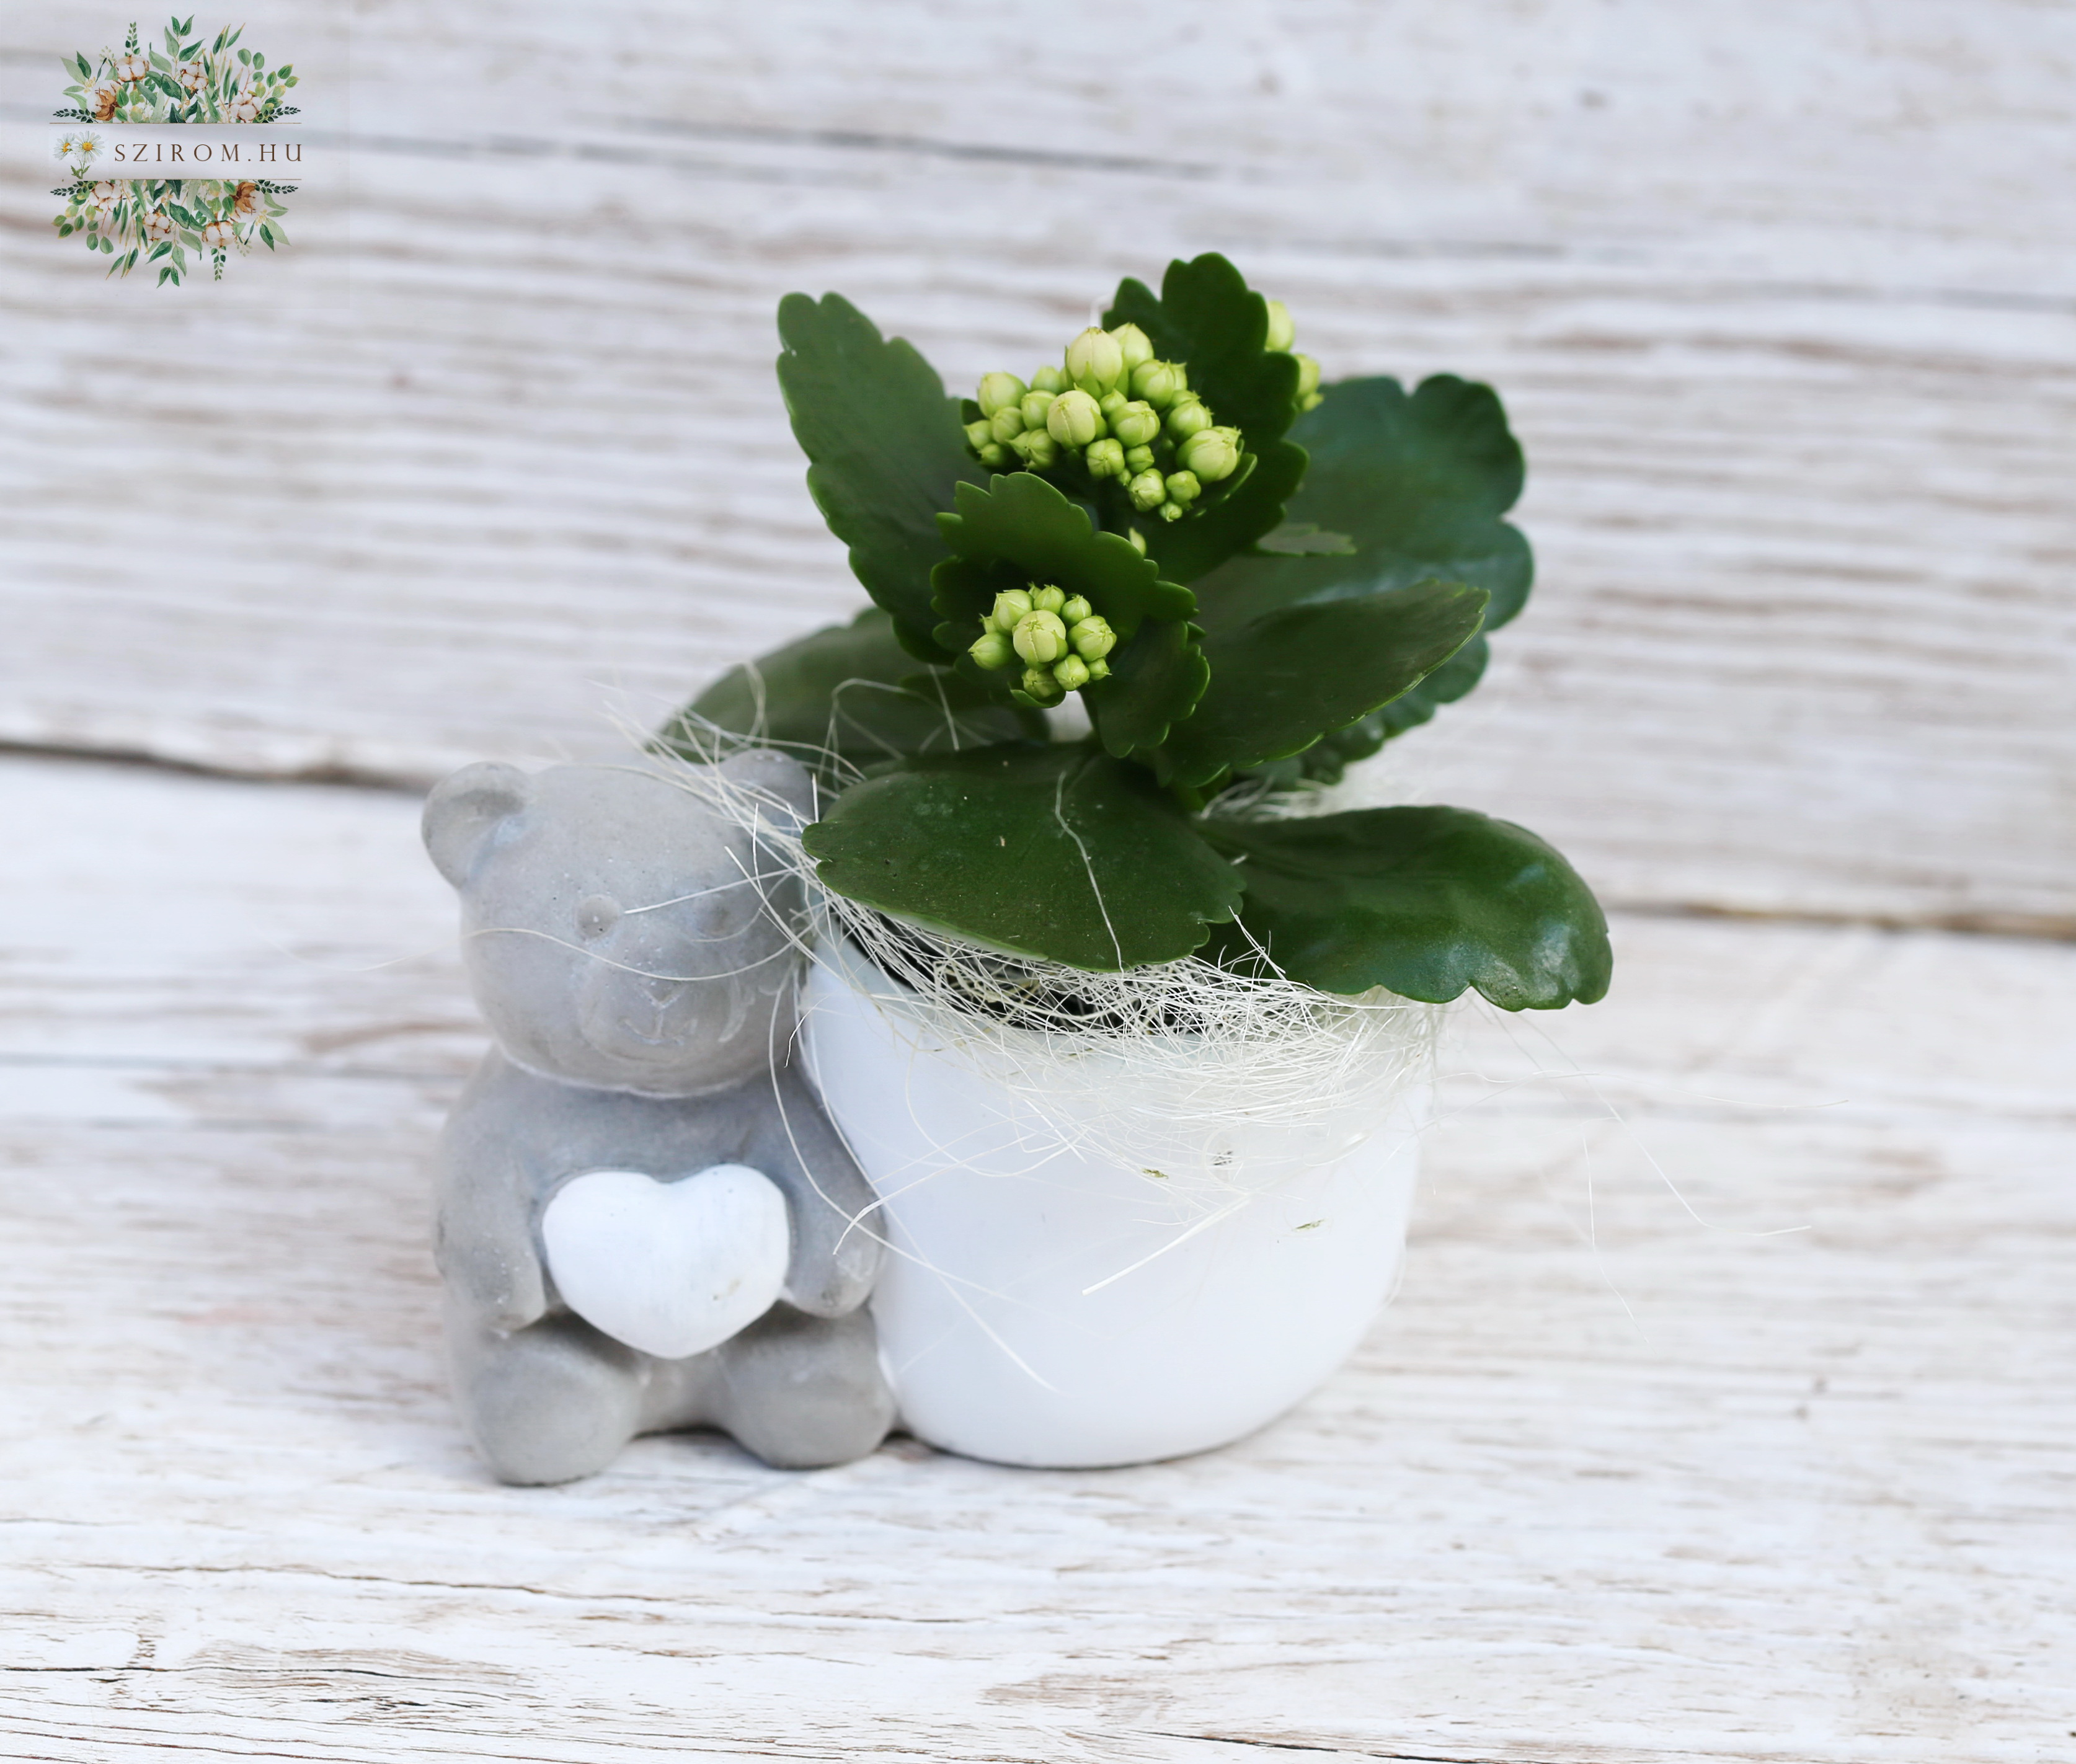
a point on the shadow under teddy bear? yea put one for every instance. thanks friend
(632, 958)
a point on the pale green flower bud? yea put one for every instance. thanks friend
(1036, 449)
(1146, 492)
(994, 456)
(1034, 406)
(1075, 420)
(1110, 403)
(1048, 600)
(1038, 683)
(1282, 333)
(979, 434)
(1309, 395)
(1072, 612)
(1171, 511)
(1212, 454)
(1189, 417)
(1010, 605)
(1072, 672)
(1138, 459)
(1006, 424)
(1158, 383)
(1094, 362)
(1183, 487)
(1135, 424)
(993, 651)
(998, 392)
(1040, 638)
(1049, 379)
(1100, 670)
(1106, 459)
(1091, 637)
(1134, 345)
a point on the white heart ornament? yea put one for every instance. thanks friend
(672, 1269)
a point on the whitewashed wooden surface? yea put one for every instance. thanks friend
(1779, 294)
(1606, 1483)
(1781, 298)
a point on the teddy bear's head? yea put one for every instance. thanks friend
(619, 929)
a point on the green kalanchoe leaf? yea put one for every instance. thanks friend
(1419, 483)
(1426, 902)
(1133, 710)
(1021, 530)
(1207, 317)
(844, 697)
(1326, 763)
(1306, 539)
(885, 451)
(1060, 853)
(1286, 676)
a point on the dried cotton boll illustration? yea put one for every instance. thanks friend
(247, 200)
(106, 195)
(159, 226)
(130, 68)
(220, 235)
(190, 75)
(100, 99)
(244, 108)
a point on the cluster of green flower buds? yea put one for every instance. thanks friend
(1054, 638)
(1128, 416)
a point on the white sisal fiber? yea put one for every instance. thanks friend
(1219, 1082)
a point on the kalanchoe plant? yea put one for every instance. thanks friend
(1246, 579)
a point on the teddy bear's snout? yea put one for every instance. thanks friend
(661, 989)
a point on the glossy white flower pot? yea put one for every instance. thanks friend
(1048, 1302)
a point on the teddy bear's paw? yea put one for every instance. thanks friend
(547, 1404)
(673, 1268)
(804, 1392)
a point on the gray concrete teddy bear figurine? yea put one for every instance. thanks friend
(645, 1219)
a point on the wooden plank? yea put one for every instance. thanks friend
(1778, 300)
(1608, 1482)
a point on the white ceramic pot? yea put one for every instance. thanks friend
(1048, 1305)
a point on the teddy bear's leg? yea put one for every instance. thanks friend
(802, 1392)
(547, 1403)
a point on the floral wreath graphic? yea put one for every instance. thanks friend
(161, 221)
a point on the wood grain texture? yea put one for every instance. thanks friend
(1612, 1481)
(1778, 297)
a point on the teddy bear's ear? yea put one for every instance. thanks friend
(786, 786)
(463, 811)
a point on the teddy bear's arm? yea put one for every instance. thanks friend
(837, 1230)
(484, 1204)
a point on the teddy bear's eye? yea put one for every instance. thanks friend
(596, 915)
